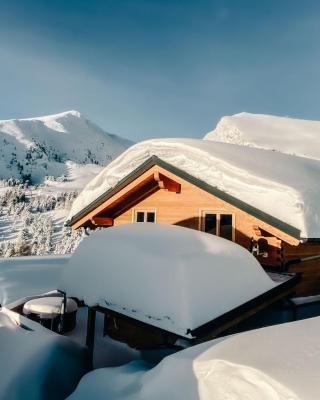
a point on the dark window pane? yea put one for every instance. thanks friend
(150, 217)
(140, 216)
(226, 226)
(210, 223)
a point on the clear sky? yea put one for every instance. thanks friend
(157, 68)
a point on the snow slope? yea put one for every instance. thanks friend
(59, 154)
(264, 364)
(37, 364)
(284, 186)
(193, 269)
(41, 146)
(287, 135)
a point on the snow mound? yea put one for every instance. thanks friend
(287, 135)
(29, 276)
(264, 364)
(281, 185)
(36, 363)
(41, 146)
(171, 277)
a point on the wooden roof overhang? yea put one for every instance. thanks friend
(125, 196)
(278, 228)
(212, 329)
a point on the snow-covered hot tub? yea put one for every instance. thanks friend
(49, 312)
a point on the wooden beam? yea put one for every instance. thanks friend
(167, 183)
(91, 325)
(102, 221)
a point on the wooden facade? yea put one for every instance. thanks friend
(166, 195)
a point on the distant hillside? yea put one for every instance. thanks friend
(44, 163)
(37, 147)
(287, 135)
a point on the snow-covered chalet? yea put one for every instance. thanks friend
(268, 202)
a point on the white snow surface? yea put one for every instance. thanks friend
(168, 276)
(42, 146)
(29, 276)
(61, 153)
(287, 135)
(281, 185)
(36, 363)
(276, 363)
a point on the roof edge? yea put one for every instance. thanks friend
(154, 160)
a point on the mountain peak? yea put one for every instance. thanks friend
(271, 132)
(41, 146)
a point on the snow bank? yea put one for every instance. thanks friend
(36, 363)
(265, 364)
(281, 185)
(287, 135)
(171, 277)
(29, 276)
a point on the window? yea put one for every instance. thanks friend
(144, 216)
(218, 223)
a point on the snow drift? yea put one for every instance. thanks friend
(281, 185)
(171, 277)
(36, 363)
(29, 276)
(265, 364)
(287, 135)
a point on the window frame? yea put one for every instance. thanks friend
(145, 211)
(218, 213)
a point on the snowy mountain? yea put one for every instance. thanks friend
(37, 147)
(44, 163)
(287, 135)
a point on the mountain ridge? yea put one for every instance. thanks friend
(32, 148)
(293, 136)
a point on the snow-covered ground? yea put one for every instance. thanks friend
(287, 135)
(35, 363)
(281, 185)
(29, 276)
(58, 154)
(276, 363)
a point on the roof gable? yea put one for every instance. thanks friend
(156, 161)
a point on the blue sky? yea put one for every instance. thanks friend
(158, 68)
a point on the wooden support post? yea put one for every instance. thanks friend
(91, 323)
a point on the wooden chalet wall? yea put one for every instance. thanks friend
(310, 283)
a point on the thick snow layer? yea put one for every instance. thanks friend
(42, 146)
(276, 363)
(171, 277)
(29, 276)
(36, 363)
(284, 186)
(287, 135)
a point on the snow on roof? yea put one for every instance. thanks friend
(36, 363)
(171, 277)
(287, 135)
(283, 186)
(264, 364)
